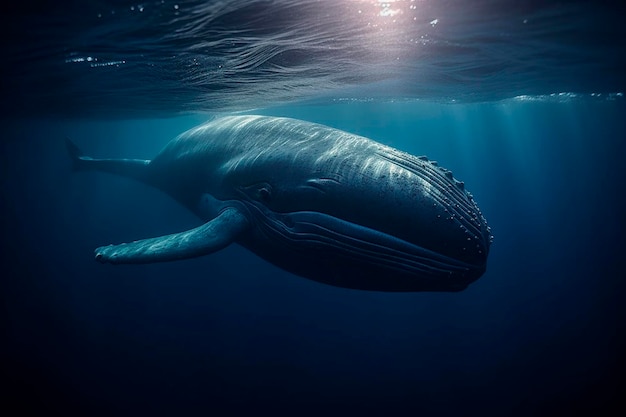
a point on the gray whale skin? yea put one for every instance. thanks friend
(316, 201)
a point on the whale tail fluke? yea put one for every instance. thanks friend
(131, 168)
(75, 154)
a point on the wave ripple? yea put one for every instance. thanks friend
(123, 59)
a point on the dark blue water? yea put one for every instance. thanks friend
(530, 115)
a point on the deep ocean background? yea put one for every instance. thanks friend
(522, 100)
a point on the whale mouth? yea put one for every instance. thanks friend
(375, 259)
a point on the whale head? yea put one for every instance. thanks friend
(359, 214)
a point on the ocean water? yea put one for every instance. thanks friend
(522, 100)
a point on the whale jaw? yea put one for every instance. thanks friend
(339, 253)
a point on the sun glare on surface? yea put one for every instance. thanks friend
(385, 11)
(394, 23)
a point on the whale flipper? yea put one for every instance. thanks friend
(208, 238)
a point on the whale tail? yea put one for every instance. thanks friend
(75, 154)
(131, 168)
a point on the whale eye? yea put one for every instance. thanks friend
(264, 194)
(260, 191)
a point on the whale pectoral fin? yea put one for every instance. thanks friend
(208, 238)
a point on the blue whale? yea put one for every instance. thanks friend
(316, 201)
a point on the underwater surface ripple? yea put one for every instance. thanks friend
(120, 58)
